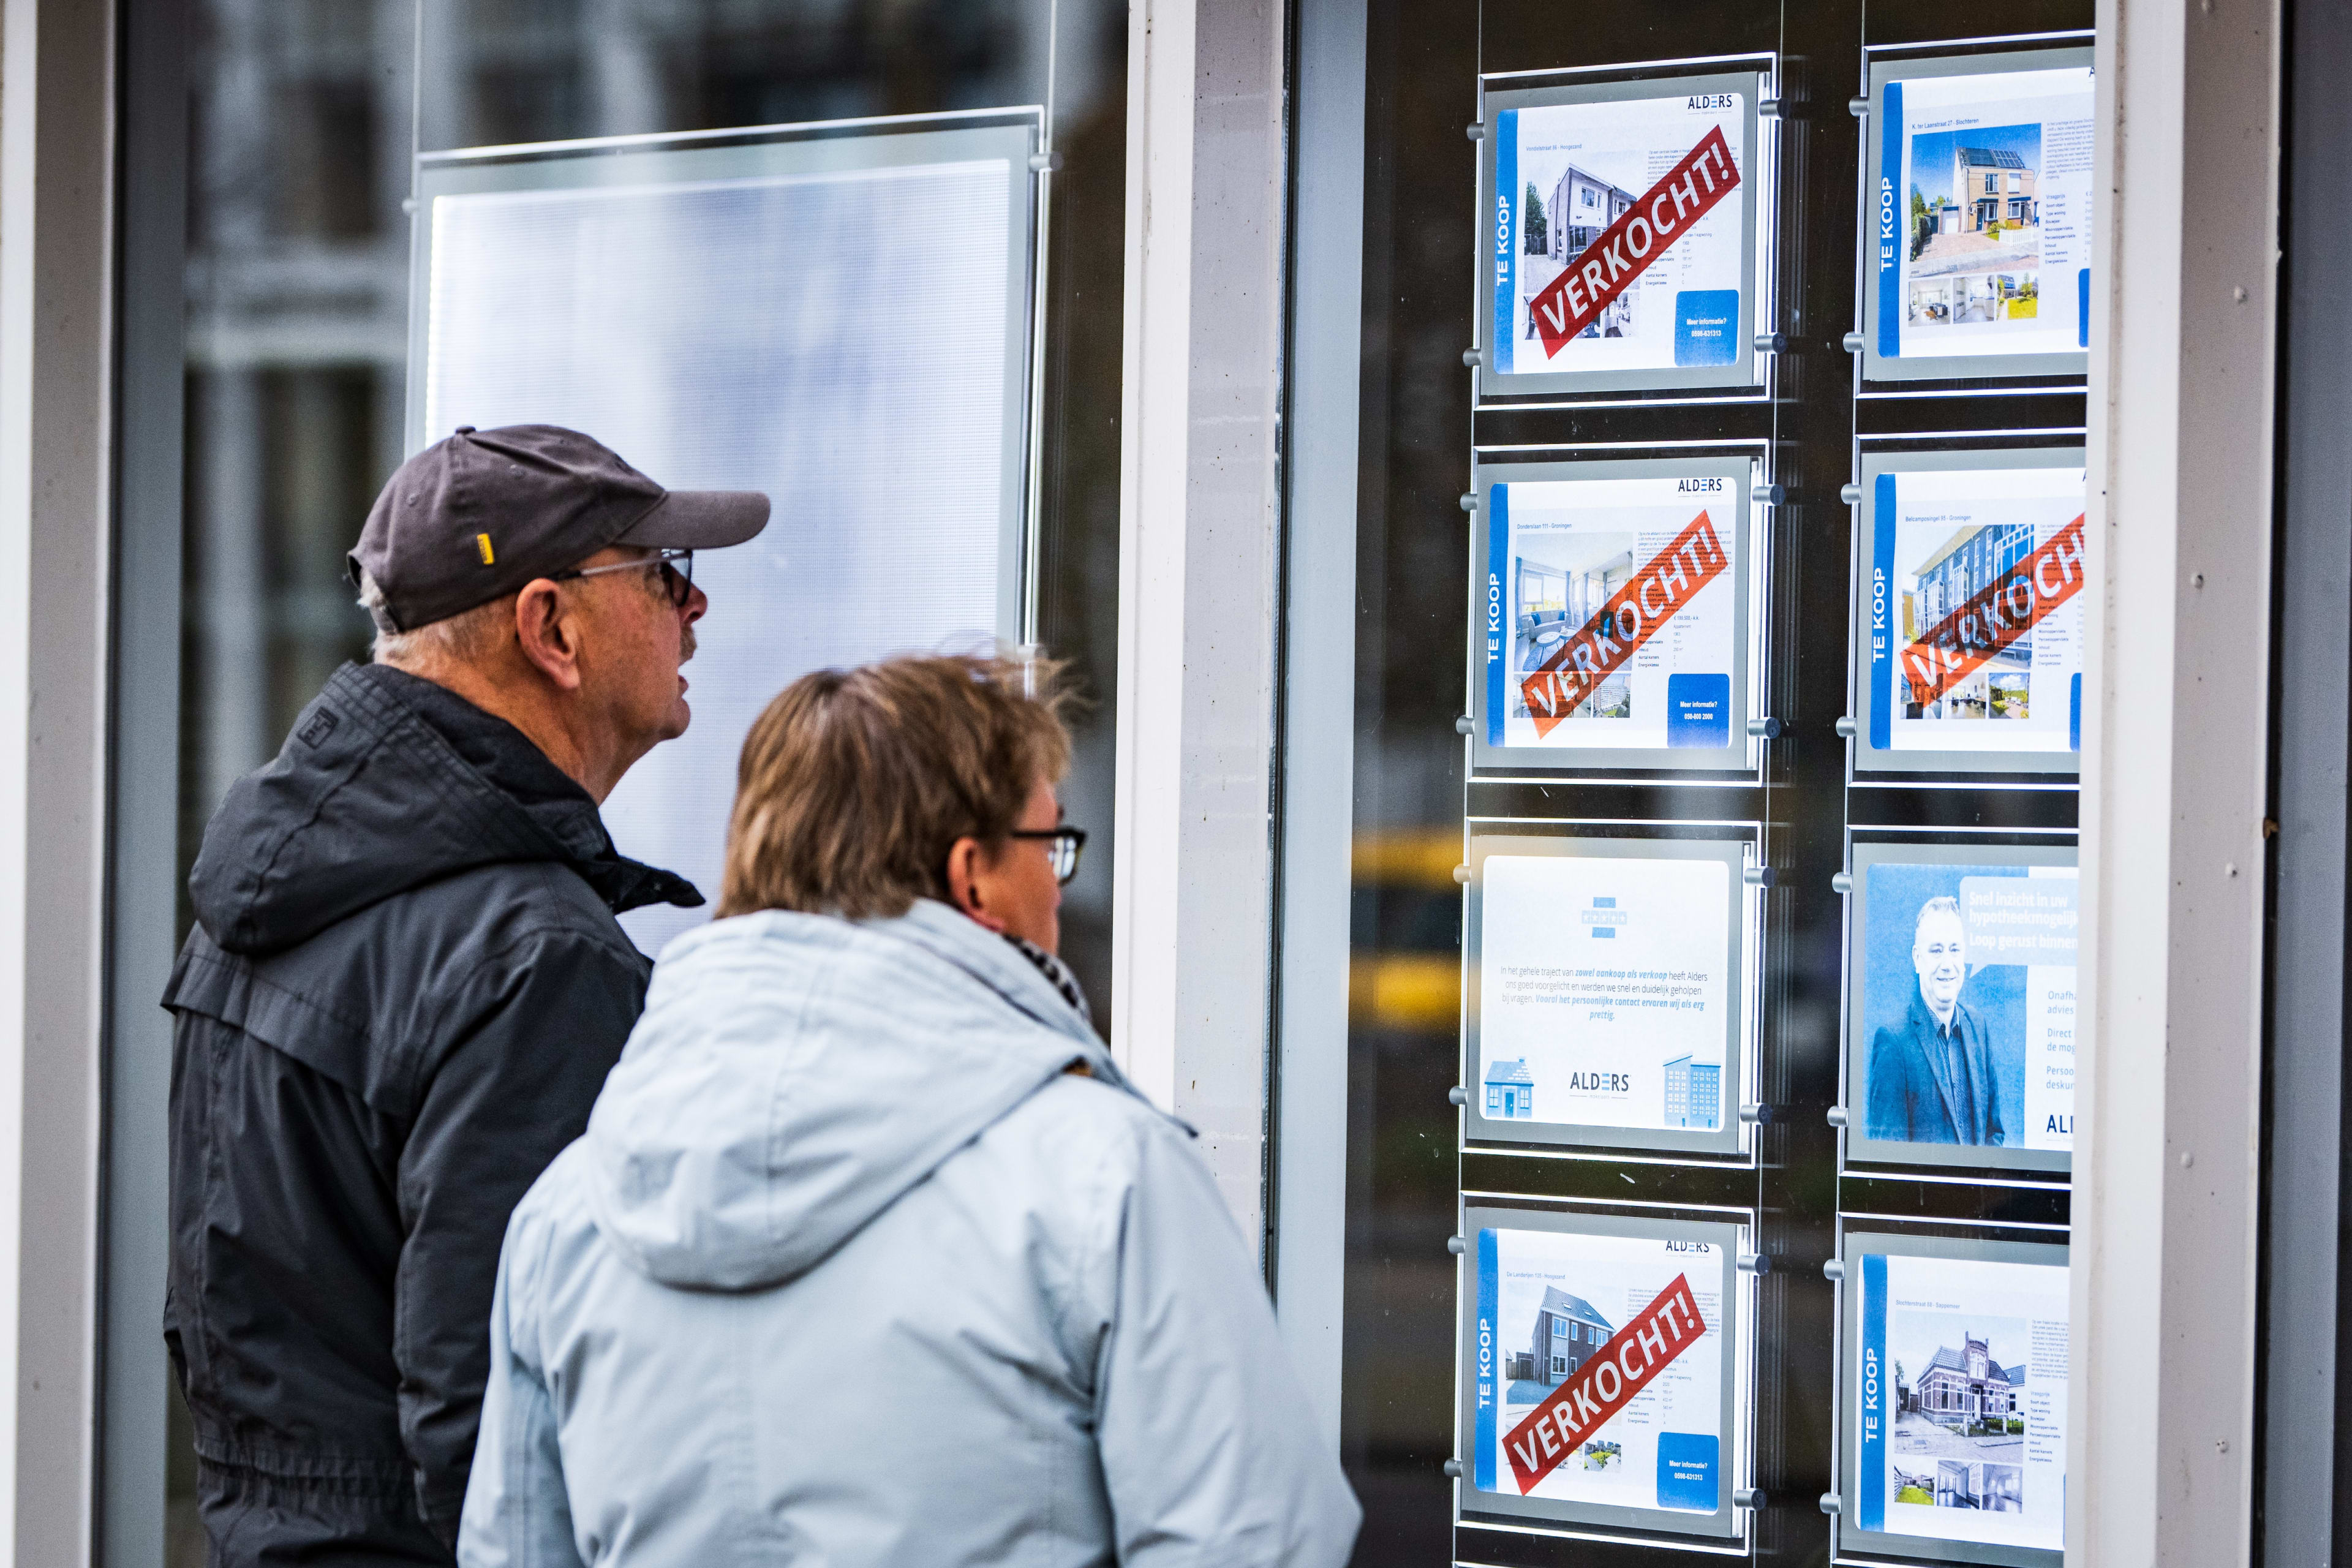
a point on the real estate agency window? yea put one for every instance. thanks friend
(1716, 706)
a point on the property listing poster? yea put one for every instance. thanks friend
(1604, 996)
(1982, 216)
(1662, 289)
(1613, 611)
(1961, 1400)
(1551, 1302)
(1975, 619)
(1968, 1004)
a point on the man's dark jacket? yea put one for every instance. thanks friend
(1915, 1094)
(404, 992)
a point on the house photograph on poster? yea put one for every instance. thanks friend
(1979, 169)
(1567, 1332)
(1958, 567)
(1976, 224)
(1599, 275)
(1564, 226)
(1959, 1420)
(1554, 594)
(1550, 1303)
(1957, 1394)
(1617, 610)
(1968, 611)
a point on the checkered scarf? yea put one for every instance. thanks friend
(1057, 974)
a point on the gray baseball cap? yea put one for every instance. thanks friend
(478, 515)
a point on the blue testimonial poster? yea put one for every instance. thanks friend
(1981, 221)
(1976, 614)
(1957, 1392)
(1967, 1007)
(1551, 1301)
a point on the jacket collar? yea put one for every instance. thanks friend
(506, 760)
(988, 958)
(956, 939)
(389, 782)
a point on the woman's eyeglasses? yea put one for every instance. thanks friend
(1063, 846)
(676, 573)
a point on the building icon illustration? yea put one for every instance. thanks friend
(1694, 1093)
(1510, 1091)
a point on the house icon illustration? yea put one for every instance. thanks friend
(1510, 1091)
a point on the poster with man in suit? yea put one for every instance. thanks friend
(1931, 1076)
(1968, 1004)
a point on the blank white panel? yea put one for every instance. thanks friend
(850, 341)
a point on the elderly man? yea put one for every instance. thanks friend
(406, 983)
(1931, 1080)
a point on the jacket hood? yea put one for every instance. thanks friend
(794, 1074)
(386, 783)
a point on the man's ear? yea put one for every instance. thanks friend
(549, 636)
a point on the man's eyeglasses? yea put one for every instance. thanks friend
(676, 573)
(1063, 846)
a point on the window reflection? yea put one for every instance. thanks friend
(303, 117)
(1404, 966)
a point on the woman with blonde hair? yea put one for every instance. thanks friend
(870, 1255)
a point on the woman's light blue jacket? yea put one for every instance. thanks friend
(851, 1269)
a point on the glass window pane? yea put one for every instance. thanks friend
(304, 117)
(761, 317)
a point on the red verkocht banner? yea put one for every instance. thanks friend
(1632, 615)
(1626, 249)
(1604, 1385)
(1996, 615)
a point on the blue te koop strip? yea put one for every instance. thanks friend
(1489, 1385)
(1888, 223)
(1501, 620)
(1505, 240)
(1876, 1390)
(1882, 611)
